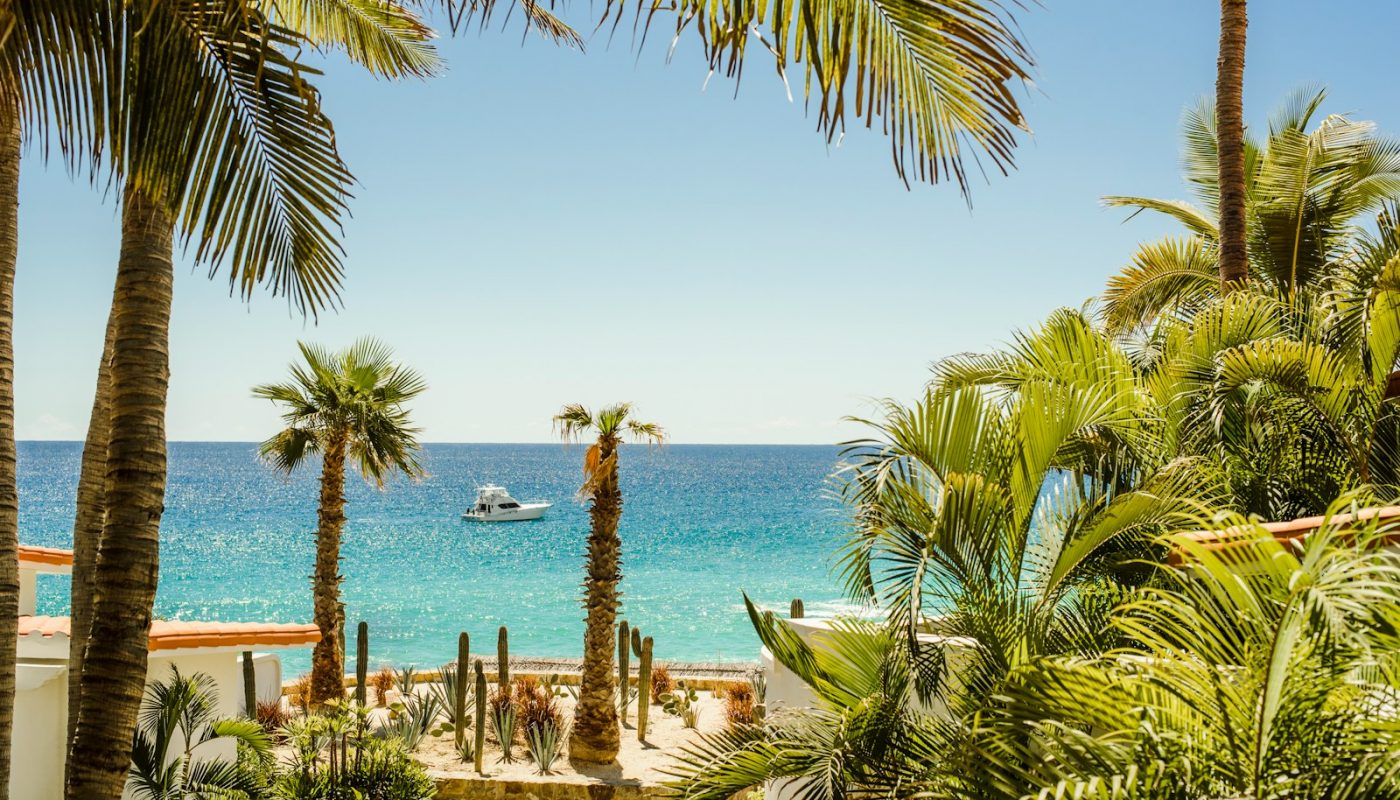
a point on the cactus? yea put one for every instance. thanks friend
(624, 667)
(250, 686)
(502, 659)
(459, 693)
(637, 642)
(361, 662)
(644, 692)
(480, 717)
(796, 611)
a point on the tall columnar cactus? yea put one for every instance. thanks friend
(643, 689)
(361, 662)
(637, 642)
(459, 691)
(796, 611)
(502, 659)
(480, 717)
(624, 667)
(250, 686)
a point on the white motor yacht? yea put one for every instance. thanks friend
(494, 504)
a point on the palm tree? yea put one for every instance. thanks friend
(1229, 114)
(259, 185)
(49, 60)
(178, 711)
(596, 736)
(345, 405)
(997, 522)
(1307, 192)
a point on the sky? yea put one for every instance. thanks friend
(542, 226)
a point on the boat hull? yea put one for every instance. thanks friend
(527, 511)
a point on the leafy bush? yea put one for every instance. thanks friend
(377, 770)
(334, 757)
(180, 709)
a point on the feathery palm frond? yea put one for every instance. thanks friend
(357, 394)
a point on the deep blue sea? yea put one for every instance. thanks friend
(700, 524)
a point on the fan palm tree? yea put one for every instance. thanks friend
(258, 185)
(1229, 115)
(178, 711)
(1306, 191)
(345, 405)
(596, 736)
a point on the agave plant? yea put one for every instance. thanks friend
(178, 712)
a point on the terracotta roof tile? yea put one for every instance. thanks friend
(182, 635)
(53, 556)
(1285, 531)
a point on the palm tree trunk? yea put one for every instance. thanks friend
(124, 585)
(1229, 123)
(596, 737)
(328, 659)
(90, 514)
(9, 494)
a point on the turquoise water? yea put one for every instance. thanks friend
(700, 524)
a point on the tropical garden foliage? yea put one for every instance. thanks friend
(1045, 629)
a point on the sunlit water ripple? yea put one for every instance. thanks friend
(700, 524)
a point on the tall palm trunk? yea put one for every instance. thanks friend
(90, 514)
(1229, 124)
(596, 736)
(328, 659)
(124, 585)
(9, 494)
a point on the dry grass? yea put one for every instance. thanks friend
(273, 716)
(661, 682)
(301, 692)
(536, 705)
(383, 681)
(738, 702)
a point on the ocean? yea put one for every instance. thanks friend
(700, 525)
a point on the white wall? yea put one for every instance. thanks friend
(41, 711)
(41, 722)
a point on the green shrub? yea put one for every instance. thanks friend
(334, 757)
(381, 770)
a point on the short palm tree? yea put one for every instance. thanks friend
(596, 736)
(178, 712)
(345, 405)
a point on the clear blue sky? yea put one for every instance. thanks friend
(543, 226)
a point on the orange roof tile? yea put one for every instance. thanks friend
(1287, 531)
(181, 635)
(53, 556)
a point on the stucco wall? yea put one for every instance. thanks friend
(41, 712)
(41, 720)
